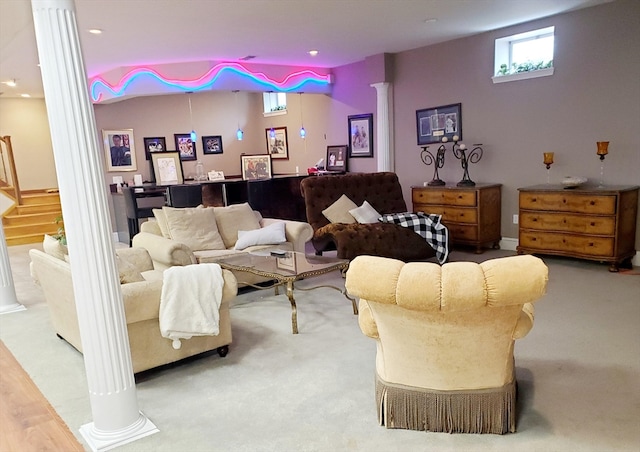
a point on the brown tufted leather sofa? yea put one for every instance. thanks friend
(384, 193)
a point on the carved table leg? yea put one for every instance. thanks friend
(294, 309)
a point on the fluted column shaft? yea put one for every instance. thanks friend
(385, 157)
(96, 285)
(8, 298)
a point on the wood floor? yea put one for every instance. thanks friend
(27, 421)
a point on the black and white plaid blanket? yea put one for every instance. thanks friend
(427, 226)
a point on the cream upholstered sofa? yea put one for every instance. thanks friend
(205, 234)
(445, 338)
(141, 299)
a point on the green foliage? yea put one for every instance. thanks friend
(528, 66)
(60, 236)
(279, 108)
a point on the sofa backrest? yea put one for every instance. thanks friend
(381, 190)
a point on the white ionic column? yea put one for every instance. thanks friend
(383, 127)
(96, 286)
(8, 299)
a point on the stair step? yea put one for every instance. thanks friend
(38, 228)
(38, 208)
(31, 218)
(25, 239)
(40, 198)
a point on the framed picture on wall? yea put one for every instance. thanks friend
(212, 144)
(119, 150)
(154, 144)
(185, 146)
(277, 142)
(336, 158)
(361, 135)
(167, 168)
(433, 124)
(256, 167)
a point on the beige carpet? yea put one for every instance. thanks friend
(578, 372)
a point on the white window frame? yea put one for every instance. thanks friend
(503, 55)
(271, 101)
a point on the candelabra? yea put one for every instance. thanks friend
(459, 152)
(603, 149)
(438, 162)
(548, 160)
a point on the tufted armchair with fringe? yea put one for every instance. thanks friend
(445, 337)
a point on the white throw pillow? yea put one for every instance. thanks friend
(270, 235)
(53, 247)
(338, 212)
(365, 213)
(195, 227)
(233, 218)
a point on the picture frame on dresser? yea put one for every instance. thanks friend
(433, 124)
(256, 167)
(167, 168)
(337, 158)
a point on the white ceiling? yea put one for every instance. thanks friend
(275, 31)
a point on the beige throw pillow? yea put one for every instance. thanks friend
(195, 227)
(128, 272)
(234, 218)
(338, 212)
(161, 219)
(53, 247)
(365, 213)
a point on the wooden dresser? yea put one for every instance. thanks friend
(596, 223)
(472, 214)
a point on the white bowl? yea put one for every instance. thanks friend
(573, 181)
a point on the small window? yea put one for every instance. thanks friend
(274, 103)
(527, 55)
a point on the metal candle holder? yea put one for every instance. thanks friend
(459, 151)
(438, 162)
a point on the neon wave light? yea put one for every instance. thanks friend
(291, 82)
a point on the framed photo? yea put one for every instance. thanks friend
(185, 146)
(119, 150)
(433, 124)
(361, 135)
(154, 144)
(256, 167)
(167, 168)
(288, 262)
(212, 144)
(277, 146)
(337, 158)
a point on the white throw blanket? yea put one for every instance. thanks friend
(190, 302)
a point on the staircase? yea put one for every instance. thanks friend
(29, 222)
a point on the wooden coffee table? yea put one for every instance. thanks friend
(285, 271)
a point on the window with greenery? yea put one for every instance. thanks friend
(275, 103)
(525, 52)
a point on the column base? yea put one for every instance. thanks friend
(17, 307)
(102, 441)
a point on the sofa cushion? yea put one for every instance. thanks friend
(195, 227)
(127, 271)
(269, 235)
(233, 218)
(365, 213)
(338, 212)
(53, 247)
(161, 220)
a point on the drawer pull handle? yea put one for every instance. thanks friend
(590, 243)
(564, 201)
(535, 219)
(593, 203)
(593, 223)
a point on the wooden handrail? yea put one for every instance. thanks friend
(12, 168)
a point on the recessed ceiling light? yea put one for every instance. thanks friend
(95, 31)
(313, 52)
(430, 21)
(25, 95)
(11, 83)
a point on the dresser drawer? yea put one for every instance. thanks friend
(457, 198)
(567, 243)
(459, 232)
(567, 222)
(453, 214)
(591, 204)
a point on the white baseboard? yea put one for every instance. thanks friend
(508, 243)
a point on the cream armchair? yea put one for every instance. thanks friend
(141, 299)
(445, 337)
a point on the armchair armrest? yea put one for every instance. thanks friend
(365, 320)
(525, 321)
(141, 300)
(164, 252)
(297, 232)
